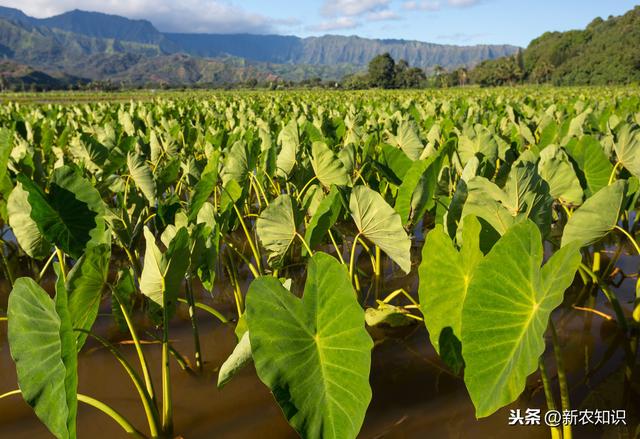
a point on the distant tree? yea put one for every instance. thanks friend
(413, 77)
(382, 71)
(542, 72)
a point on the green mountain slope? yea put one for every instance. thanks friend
(606, 52)
(327, 50)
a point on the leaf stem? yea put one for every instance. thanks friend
(628, 235)
(551, 405)
(208, 309)
(112, 413)
(613, 172)
(562, 380)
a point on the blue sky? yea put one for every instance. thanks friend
(439, 21)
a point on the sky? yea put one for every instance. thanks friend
(462, 22)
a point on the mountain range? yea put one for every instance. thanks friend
(97, 46)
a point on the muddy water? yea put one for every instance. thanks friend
(414, 396)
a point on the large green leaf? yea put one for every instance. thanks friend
(596, 217)
(239, 358)
(328, 168)
(85, 284)
(481, 144)
(324, 218)
(525, 195)
(506, 312)
(416, 193)
(445, 273)
(205, 186)
(408, 141)
(23, 226)
(595, 167)
(314, 354)
(6, 144)
(289, 141)
(236, 164)
(142, 176)
(555, 169)
(627, 148)
(162, 274)
(276, 227)
(70, 214)
(43, 348)
(379, 223)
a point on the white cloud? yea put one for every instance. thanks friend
(352, 8)
(426, 5)
(436, 5)
(385, 15)
(212, 16)
(340, 23)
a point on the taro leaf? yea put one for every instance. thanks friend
(595, 167)
(324, 218)
(205, 186)
(289, 140)
(313, 353)
(627, 149)
(43, 347)
(596, 217)
(240, 357)
(85, 284)
(415, 194)
(347, 156)
(6, 144)
(445, 273)
(23, 226)
(506, 312)
(162, 274)
(70, 215)
(408, 141)
(142, 176)
(378, 222)
(525, 195)
(236, 164)
(123, 295)
(388, 315)
(395, 163)
(327, 167)
(276, 227)
(555, 169)
(482, 145)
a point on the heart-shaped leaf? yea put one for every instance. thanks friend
(142, 175)
(314, 354)
(70, 215)
(327, 167)
(25, 229)
(408, 141)
(289, 141)
(85, 284)
(276, 227)
(627, 149)
(595, 167)
(596, 217)
(43, 347)
(506, 312)
(445, 273)
(324, 218)
(555, 169)
(162, 274)
(379, 223)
